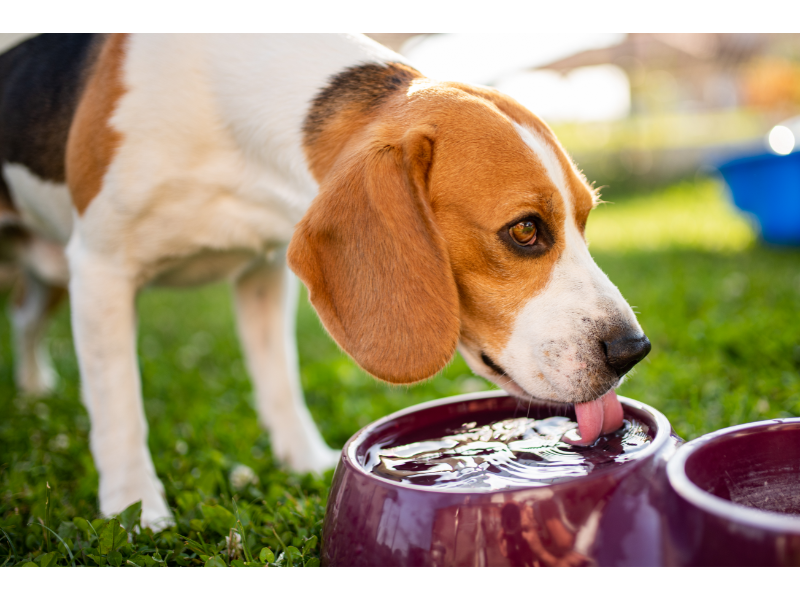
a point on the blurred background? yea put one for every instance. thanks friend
(660, 122)
(633, 109)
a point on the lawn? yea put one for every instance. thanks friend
(721, 312)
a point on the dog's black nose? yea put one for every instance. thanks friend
(624, 352)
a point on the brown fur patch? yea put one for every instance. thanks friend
(483, 178)
(397, 220)
(583, 197)
(376, 265)
(346, 106)
(55, 295)
(92, 141)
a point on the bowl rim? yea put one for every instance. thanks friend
(350, 460)
(719, 507)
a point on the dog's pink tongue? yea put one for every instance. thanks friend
(603, 415)
(590, 422)
(612, 412)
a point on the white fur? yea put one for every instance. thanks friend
(45, 260)
(44, 206)
(208, 183)
(104, 328)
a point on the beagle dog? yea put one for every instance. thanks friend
(423, 216)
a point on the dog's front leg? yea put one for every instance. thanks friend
(104, 328)
(266, 306)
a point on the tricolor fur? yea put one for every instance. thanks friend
(183, 159)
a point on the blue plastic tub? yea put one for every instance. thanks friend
(768, 187)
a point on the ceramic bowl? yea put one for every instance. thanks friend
(735, 497)
(611, 516)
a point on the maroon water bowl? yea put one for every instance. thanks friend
(736, 497)
(610, 517)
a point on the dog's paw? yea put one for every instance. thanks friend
(157, 518)
(314, 460)
(155, 513)
(302, 449)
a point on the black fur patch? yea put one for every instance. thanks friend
(492, 365)
(41, 80)
(364, 86)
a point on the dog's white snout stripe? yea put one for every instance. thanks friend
(554, 351)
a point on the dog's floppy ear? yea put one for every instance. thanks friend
(376, 265)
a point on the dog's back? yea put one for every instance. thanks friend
(40, 84)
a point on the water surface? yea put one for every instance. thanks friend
(519, 452)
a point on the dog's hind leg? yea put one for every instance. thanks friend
(266, 306)
(104, 327)
(31, 303)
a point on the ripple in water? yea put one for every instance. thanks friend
(513, 453)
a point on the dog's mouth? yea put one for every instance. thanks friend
(595, 418)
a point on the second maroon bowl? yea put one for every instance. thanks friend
(734, 497)
(611, 517)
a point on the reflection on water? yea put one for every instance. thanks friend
(512, 453)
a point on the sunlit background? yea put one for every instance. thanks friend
(634, 106)
(630, 108)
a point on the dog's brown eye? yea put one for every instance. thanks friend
(524, 233)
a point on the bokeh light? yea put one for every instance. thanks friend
(781, 140)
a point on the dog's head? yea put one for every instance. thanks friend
(451, 216)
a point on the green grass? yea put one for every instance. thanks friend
(691, 216)
(720, 310)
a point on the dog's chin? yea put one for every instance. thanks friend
(517, 391)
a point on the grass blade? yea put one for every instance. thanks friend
(248, 557)
(10, 543)
(280, 541)
(71, 557)
(47, 515)
(88, 522)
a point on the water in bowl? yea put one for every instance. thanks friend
(511, 453)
